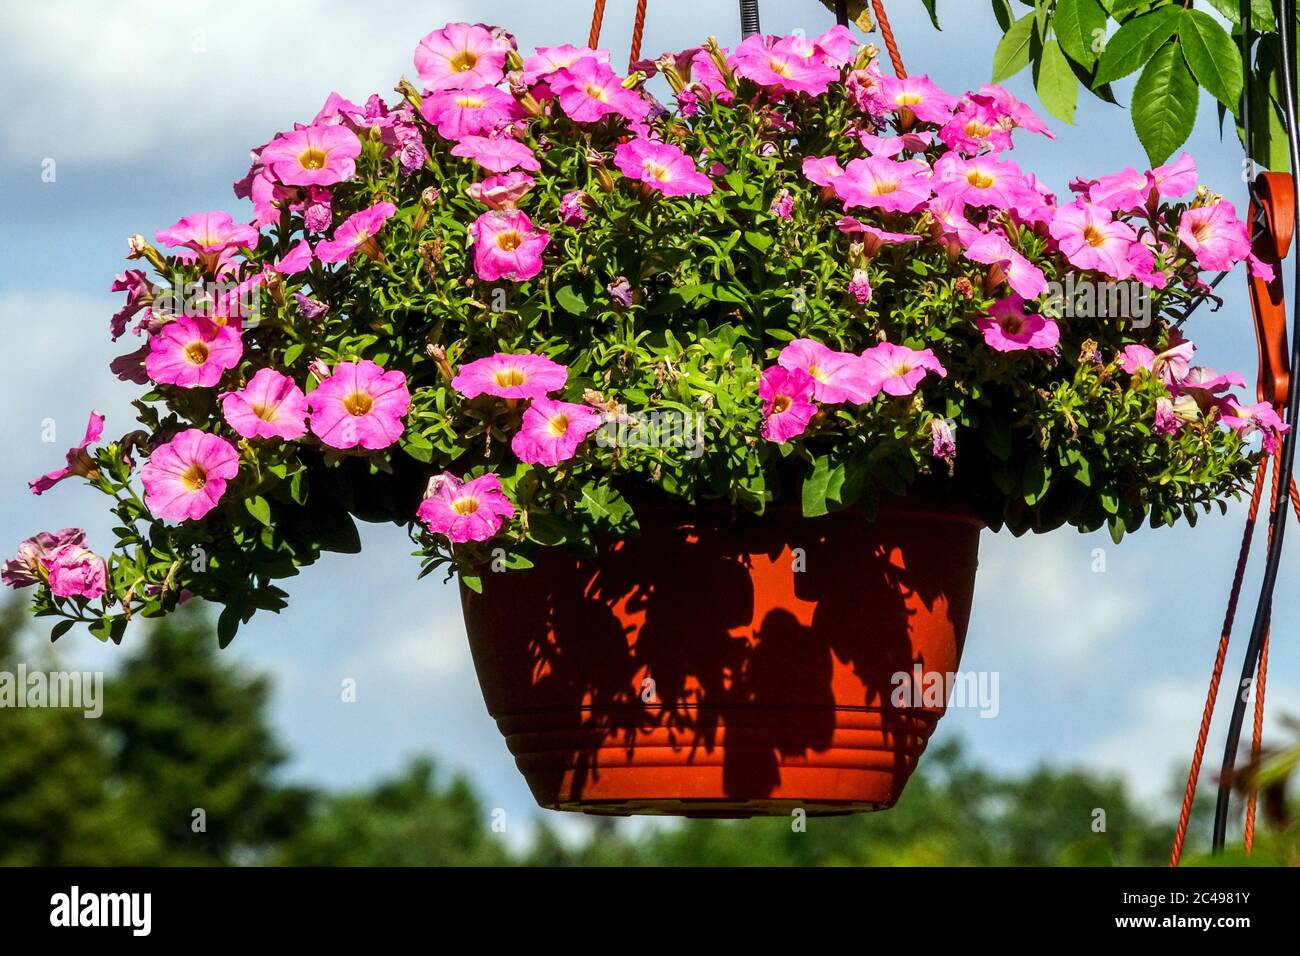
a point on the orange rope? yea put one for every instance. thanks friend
(597, 20)
(887, 34)
(1225, 636)
(638, 29)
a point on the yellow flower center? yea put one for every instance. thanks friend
(265, 412)
(465, 506)
(597, 93)
(509, 377)
(509, 241)
(313, 158)
(462, 62)
(980, 179)
(1201, 232)
(781, 404)
(194, 477)
(779, 67)
(470, 102)
(358, 403)
(884, 187)
(652, 170)
(977, 130)
(559, 425)
(1094, 237)
(196, 353)
(816, 373)
(909, 99)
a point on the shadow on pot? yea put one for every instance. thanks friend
(720, 666)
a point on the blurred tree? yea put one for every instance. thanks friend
(407, 821)
(182, 730)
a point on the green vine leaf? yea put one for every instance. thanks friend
(1136, 42)
(1079, 24)
(1164, 103)
(1056, 83)
(1213, 57)
(1012, 54)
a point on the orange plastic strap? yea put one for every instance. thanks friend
(1273, 207)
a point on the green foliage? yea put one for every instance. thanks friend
(1176, 47)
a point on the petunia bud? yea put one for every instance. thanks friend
(411, 94)
(318, 368)
(439, 356)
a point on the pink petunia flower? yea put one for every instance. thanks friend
(860, 286)
(26, 568)
(589, 90)
(552, 59)
(837, 376)
(992, 248)
(1177, 178)
(1172, 365)
(472, 511)
(1015, 112)
(140, 294)
(983, 181)
(79, 462)
(976, 126)
(1124, 192)
(898, 370)
(1167, 421)
(927, 101)
(1263, 417)
(497, 154)
(269, 406)
(822, 170)
(502, 192)
(356, 234)
(781, 65)
(787, 402)
(193, 353)
(572, 208)
(1008, 329)
(873, 239)
(75, 571)
(510, 376)
(551, 431)
(461, 56)
(359, 405)
(186, 477)
(460, 113)
(886, 184)
(507, 245)
(313, 156)
(1090, 239)
(782, 205)
(661, 166)
(1215, 235)
(943, 439)
(208, 234)
(296, 260)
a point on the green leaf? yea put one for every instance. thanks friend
(60, 629)
(1119, 9)
(228, 624)
(571, 300)
(1056, 83)
(1012, 54)
(1164, 103)
(259, 508)
(1214, 58)
(1261, 13)
(1005, 16)
(1136, 42)
(816, 487)
(1077, 23)
(934, 16)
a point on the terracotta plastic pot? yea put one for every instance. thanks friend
(722, 667)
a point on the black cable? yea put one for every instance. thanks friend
(749, 24)
(842, 12)
(1285, 12)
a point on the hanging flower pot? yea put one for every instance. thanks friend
(682, 398)
(716, 666)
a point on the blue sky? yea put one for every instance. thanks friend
(147, 110)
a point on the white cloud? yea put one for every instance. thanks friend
(143, 77)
